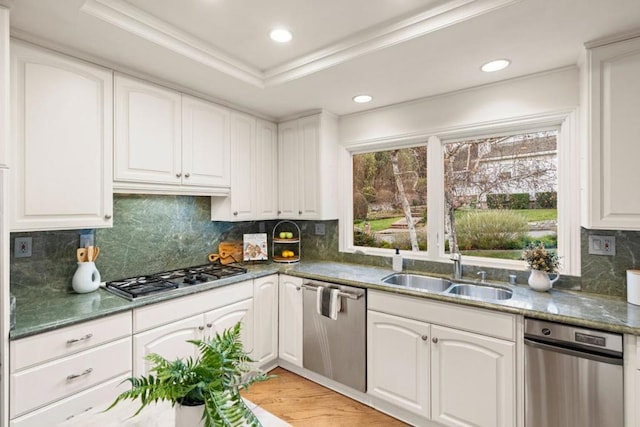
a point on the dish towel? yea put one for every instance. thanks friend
(328, 302)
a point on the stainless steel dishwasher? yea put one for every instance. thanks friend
(336, 349)
(573, 376)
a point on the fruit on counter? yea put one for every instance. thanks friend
(283, 235)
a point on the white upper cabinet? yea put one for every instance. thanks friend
(254, 173)
(266, 170)
(61, 141)
(307, 163)
(168, 143)
(612, 90)
(206, 154)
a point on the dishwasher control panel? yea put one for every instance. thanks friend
(573, 336)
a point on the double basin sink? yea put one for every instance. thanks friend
(446, 287)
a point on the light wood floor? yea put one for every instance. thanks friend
(303, 403)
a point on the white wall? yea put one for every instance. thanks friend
(539, 94)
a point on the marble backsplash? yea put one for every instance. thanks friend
(159, 233)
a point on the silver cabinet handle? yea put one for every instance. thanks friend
(424, 338)
(86, 410)
(201, 327)
(209, 325)
(178, 175)
(75, 340)
(279, 212)
(107, 216)
(299, 212)
(82, 374)
(235, 213)
(187, 175)
(435, 340)
(298, 288)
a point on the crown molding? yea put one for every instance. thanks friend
(144, 25)
(377, 38)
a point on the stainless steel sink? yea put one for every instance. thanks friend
(416, 281)
(483, 292)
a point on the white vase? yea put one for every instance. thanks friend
(86, 278)
(540, 281)
(189, 416)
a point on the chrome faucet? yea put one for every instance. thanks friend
(456, 257)
(483, 276)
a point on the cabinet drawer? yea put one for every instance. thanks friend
(40, 348)
(155, 315)
(486, 322)
(85, 403)
(37, 386)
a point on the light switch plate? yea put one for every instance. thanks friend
(22, 247)
(602, 245)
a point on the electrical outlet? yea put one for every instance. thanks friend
(602, 245)
(22, 247)
(320, 230)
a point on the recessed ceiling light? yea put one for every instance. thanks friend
(362, 99)
(280, 35)
(495, 65)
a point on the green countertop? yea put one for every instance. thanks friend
(36, 313)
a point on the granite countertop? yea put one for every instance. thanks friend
(36, 313)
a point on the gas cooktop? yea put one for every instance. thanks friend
(135, 288)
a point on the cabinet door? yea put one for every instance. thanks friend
(265, 320)
(614, 107)
(288, 170)
(266, 170)
(473, 379)
(309, 162)
(226, 317)
(147, 143)
(206, 155)
(243, 175)
(398, 361)
(290, 320)
(169, 341)
(61, 164)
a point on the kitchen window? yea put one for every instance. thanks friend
(454, 185)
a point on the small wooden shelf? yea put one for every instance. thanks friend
(278, 240)
(286, 260)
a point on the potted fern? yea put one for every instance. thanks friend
(210, 385)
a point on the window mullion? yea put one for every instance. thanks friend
(435, 199)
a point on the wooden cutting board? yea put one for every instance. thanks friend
(228, 252)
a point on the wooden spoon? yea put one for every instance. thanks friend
(81, 254)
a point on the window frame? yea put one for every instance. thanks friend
(569, 178)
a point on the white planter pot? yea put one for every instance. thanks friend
(539, 280)
(189, 416)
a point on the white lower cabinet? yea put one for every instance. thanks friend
(290, 320)
(472, 379)
(405, 343)
(265, 320)
(447, 375)
(88, 401)
(50, 370)
(216, 321)
(165, 328)
(169, 341)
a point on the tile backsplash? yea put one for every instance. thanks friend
(158, 233)
(149, 234)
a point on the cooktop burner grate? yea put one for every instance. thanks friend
(141, 286)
